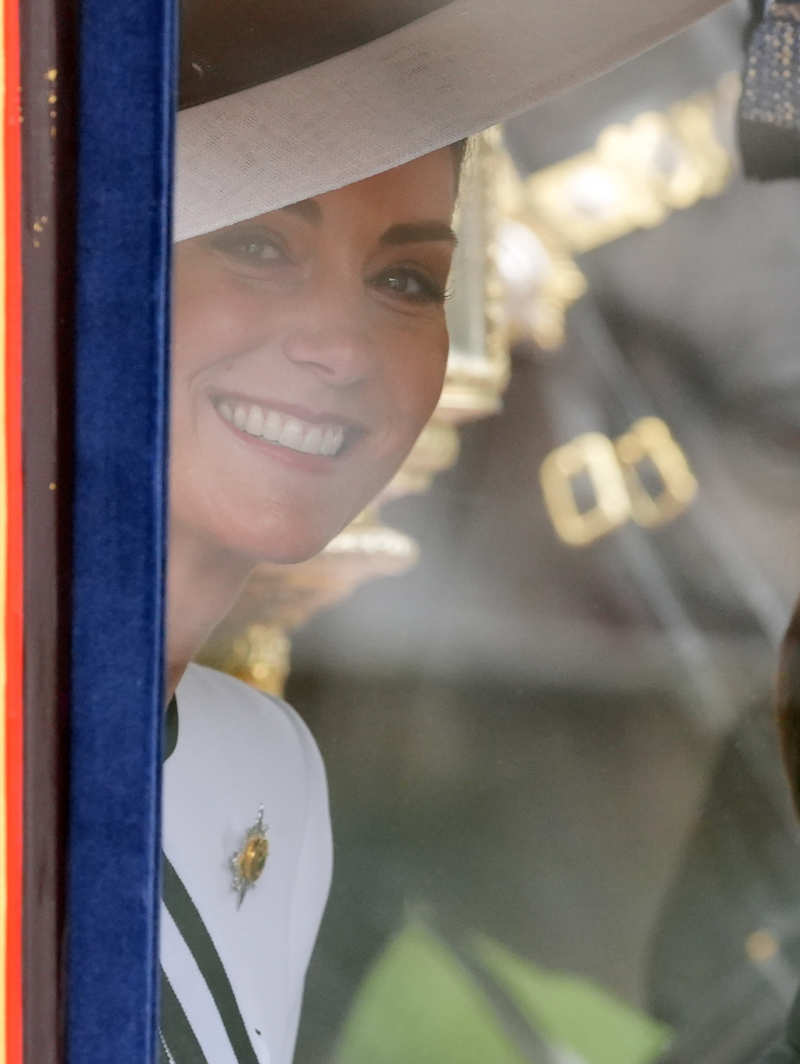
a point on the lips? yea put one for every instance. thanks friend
(323, 438)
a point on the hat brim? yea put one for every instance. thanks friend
(440, 78)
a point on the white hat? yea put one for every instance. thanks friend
(359, 99)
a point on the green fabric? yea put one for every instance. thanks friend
(572, 1012)
(421, 1003)
(418, 1004)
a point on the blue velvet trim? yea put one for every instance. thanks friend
(125, 126)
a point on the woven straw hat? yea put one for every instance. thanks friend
(282, 102)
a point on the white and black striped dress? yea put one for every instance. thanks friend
(232, 977)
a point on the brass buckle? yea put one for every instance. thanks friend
(650, 438)
(614, 468)
(593, 454)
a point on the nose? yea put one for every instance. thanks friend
(332, 341)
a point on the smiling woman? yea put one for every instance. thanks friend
(309, 349)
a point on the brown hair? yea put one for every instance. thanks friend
(459, 150)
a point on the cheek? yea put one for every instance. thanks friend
(419, 377)
(211, 322)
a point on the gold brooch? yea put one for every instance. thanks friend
(247, 864)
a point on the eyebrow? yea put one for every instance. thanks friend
(418, 232)
(401, 233)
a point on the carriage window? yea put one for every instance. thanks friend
(539, 662)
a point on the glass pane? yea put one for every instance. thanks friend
(532, 624)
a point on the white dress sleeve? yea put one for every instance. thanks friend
(238, 752)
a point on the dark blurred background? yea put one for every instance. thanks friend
(572, 749)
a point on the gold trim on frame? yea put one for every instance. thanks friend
(639, 172)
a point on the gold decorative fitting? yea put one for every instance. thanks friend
(633, 177)
(593, 455)
(616, 474)
(540, 281)
(531, 276)
(248, 863)
(260, 656)
(638, 173)
(649, 439)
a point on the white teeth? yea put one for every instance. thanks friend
(273, 423)
(280, 428)
(291, 434)
(312, 441)
(255, 419)
(332, 440)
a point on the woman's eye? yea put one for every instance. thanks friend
(261, 250)
(412, 284)
(254, 249)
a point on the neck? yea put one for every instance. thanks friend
(202, 585)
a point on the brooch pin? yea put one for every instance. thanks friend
(247, 864)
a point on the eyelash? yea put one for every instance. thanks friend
(430, 290)
(238, 245)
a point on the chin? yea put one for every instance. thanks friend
(283, 543)
(292, 553)
(283, 529)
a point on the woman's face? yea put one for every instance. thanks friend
(309, 348)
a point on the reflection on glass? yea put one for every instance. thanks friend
(562, 832)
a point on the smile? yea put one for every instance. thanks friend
(264, 423)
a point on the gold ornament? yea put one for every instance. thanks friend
(248, 863)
